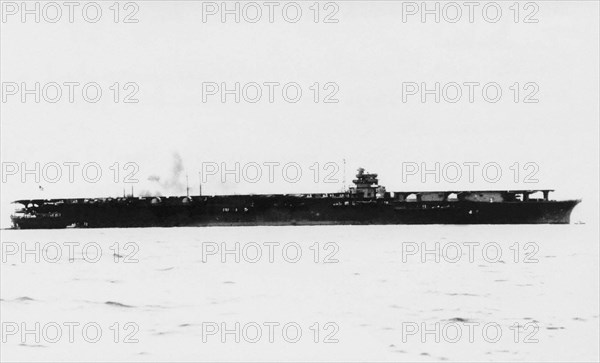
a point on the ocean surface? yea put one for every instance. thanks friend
(325, 293)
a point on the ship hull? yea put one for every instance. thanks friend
(252, 211)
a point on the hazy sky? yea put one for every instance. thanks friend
(367, 54)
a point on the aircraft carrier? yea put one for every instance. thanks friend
(365, 203)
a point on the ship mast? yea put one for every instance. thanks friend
(199, 184)
(344, 177)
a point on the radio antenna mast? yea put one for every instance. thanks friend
(344, 177)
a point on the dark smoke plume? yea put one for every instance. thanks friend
(175, 182)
